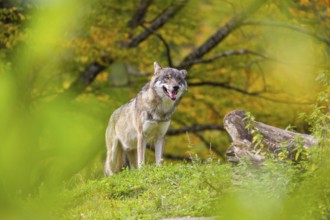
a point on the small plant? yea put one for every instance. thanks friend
(257, 137)
(319, 118)
(293, 149)
(284, 152)
(299, 150)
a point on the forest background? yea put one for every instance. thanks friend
(67, 65)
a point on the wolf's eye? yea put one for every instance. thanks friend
(167, 77)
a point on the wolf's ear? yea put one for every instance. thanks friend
(157, 67)
(184, 73)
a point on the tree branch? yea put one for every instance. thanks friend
(242, 129)
(207, 145)
(257, 94)
(140, 13)
(286, 101)
(224, 85)
(218, 36)
(226, 54)
(194, 128)
(293, 27)
(157, 23)
(84, 79)
(171, 156)
(176, 157)
(93, 69)
(167, 47)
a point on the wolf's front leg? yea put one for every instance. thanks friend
(141, 150)
(159, 150)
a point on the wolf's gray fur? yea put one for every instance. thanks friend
(145, 119)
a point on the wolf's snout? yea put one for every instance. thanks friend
(176, 88)
(171, 93)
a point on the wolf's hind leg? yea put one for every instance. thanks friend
(115, 158)
(118, 158)
(109, 139)
(132, 157)
(107, 168)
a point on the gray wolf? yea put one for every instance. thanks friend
(144, 120)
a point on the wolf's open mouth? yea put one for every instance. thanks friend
(170, 94)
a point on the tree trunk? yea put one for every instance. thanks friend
(254, 139)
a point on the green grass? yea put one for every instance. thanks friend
(151, 193)
(277, 190)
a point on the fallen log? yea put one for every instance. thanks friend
(253, 140)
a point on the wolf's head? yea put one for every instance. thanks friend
(169, 82)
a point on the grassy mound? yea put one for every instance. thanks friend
(278, 190)
(151, 193)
